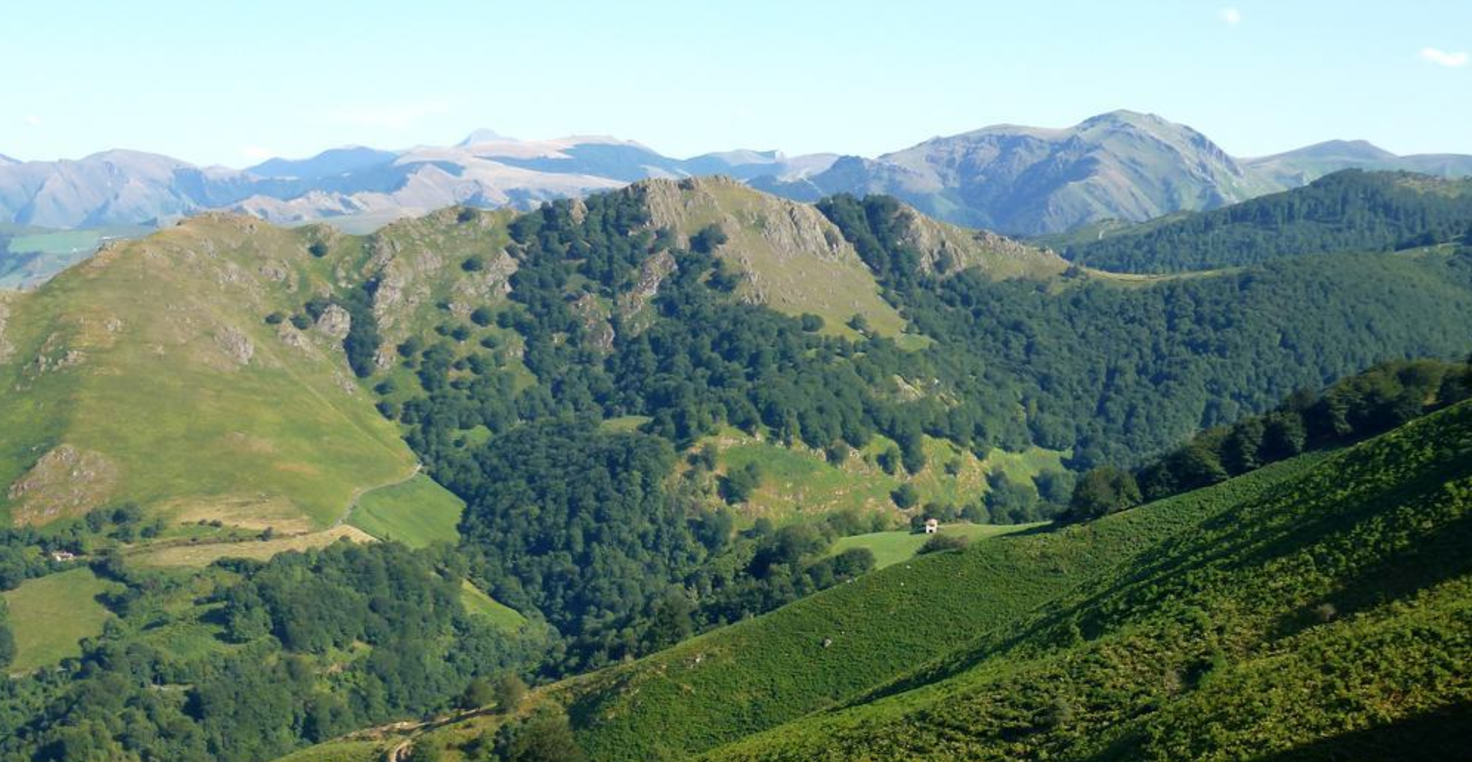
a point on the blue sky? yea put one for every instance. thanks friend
(231, 82)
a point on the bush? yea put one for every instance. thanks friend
(941, 542)
(473, 264)
(275, 318)
(482, 316)
(710, 238)
(737, 485)
(301, 322)
(906, 496)
(812, 323)
(318, 249)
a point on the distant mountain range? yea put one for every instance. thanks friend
(1025, 180)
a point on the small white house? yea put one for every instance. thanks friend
(932, 526)
(62, 556)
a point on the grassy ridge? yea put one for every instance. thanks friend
(1334, 602)
(153, 365)
(758, 674)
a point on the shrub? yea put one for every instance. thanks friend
(941, 542)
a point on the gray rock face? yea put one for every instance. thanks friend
(335, 322)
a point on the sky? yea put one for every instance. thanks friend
(232, 83)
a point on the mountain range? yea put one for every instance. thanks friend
(1015, 179)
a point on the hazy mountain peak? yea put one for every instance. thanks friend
(482, 135)
(7, 160)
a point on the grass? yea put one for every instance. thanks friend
(797, 481)
(417, 512)
(51, 615)
(204, 554)
(340, 751)
(890, 548)
(764, 672)
(503, 616)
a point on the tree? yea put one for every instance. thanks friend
(544, 737)
(710, 238)
(508, 690)
(905, 496)
(318, 249)
(738, 484)
(1103, 491)
(483, 316)
(812, 323)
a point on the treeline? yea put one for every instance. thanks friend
(321, 643)
(1374, 402)
(1348, 211)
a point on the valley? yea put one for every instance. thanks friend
(667, 452)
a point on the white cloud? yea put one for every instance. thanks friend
(33, 120)
(393, 117)
(1230, 15)
(1444, 58)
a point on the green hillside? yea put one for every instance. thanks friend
(1323, 618)
(1347, 211)
(148, 375)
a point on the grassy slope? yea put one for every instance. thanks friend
(51, 615)
(797, 481)
(503, 616)
(784, 248)
(890, 548)
(758, 674)
(1216, 644)
(149, 389)
(417, 513)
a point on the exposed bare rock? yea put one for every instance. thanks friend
(237, 345)
(65, 482)
(335, 322)
(113, 325)
(595, 322)
(291, 337)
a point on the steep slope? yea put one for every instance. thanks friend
(1031, 180)
(1321, 618)
(149, 375)
(783, 248)
(834, 647)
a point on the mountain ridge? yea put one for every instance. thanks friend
(1012, 178)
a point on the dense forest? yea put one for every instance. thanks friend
(315, 644)
(1348, 211)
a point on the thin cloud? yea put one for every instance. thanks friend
(33, 120)
(1445, 58)
(1231, 16)
(395, 117)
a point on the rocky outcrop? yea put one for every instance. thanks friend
(66, 482)
(334, 322)
(236, 345)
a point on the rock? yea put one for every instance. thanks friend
(335, 322)
(237, 345)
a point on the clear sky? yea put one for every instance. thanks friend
(231, 82)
